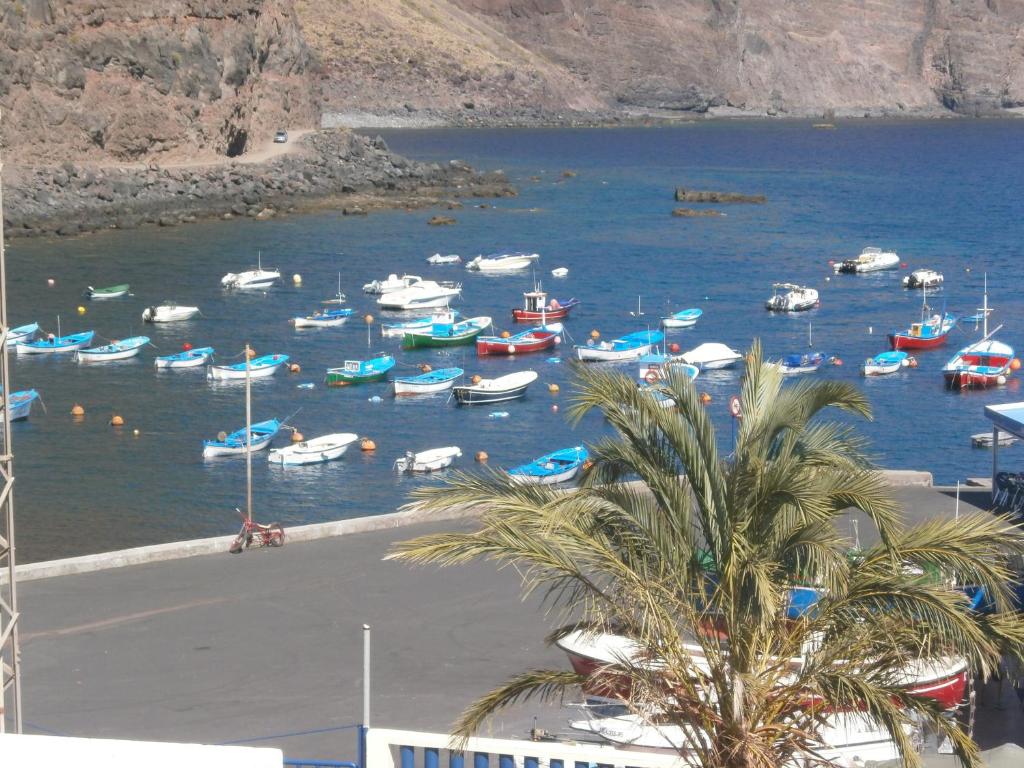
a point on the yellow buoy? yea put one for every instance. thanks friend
(368, 319)
(476, 378)
(297, 437)
(367, 444)
(426, 368)
(595, 334)
(77, 410)
(297, 278)
(81, 309)
(295, 368)
(553, 389)
(482, 457)
(116, 421)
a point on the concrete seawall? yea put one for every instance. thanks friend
(896, 478)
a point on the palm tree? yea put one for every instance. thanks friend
(677, 547)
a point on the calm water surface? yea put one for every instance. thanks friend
(944, 195)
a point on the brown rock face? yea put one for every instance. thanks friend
(131, 79)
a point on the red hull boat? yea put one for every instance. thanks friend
(528, 341)
(537, 308)
(943, 680)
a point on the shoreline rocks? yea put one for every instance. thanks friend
(332, 167)
(693, 213)
(706, 196)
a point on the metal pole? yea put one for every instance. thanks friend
(365, 725)
(248, 440)
(10, 654)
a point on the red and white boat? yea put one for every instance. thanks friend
(930, 332)
(537, 308)
(533, 340)
(943, 679)
(985, 363)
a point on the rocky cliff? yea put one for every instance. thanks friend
(124, 80)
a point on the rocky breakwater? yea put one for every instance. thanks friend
(334, 168)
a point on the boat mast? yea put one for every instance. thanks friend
(985, 310)
(248, 440)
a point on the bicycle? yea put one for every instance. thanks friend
(253, 534)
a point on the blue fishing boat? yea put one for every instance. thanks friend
(327, 318)
(556, 467)
(628, 347)
(800, 363)
(259, 367)
(20, 403)
(398, 330)
(656, 366)
(189, 358)
(360, 371)
(426, 383)
(887, 362)
(116, 350)
(684, 318)
(22, 333)
(56, 344)
(235, 444)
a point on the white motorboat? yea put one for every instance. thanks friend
(254, 278)
(787, 297)
(871, 259)
(428, 461)
(315, 451)
(426, 294)
(390, 284)
(502, 262)
(439, 258)
(923, 278)
(168, 312)
(711, 356)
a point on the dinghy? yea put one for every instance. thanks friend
(315, 451)
(445, 332)
(398, 330)
(886, 362)
(509, 387)
(711, 356)
(428, 461)
(115, 350)
(22, 333)
(56, 344)
(236, 444)
(502, 262)
(684, 318)
(628, 347)
(360, 371)
(559, 271)
(110, 292)
(533, 340)
(252, 279)
(20, 403)
(259, 367)
(329, 318)
(427, 383)
(169, 312)
(189, 358)
(556, 467)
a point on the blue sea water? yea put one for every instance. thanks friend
(942, 194)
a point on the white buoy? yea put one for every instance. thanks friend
(871, 329)
(297, 278)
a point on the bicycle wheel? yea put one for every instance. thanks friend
(238, 544)
(275, 535)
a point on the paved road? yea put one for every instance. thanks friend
(234, 648)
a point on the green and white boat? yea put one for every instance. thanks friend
(360, 371)
(110, 292)
(445, 332)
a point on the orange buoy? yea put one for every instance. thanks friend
(369, 319)
(505, 334)
(116, 421)
(1015, 364)
(837, 361)
(476, 378)
(588, 464)
(252, 353)
(705, 398)
(186, 346)
(482, 457)
(366, 444)
(595, 334)
(553, 389)
(297, 436)
(77, 410)
(295, 368)
(426, 368)
(673, 348)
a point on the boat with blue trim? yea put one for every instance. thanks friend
(259, 367)
(427, 383)
(115, 350)
(684, 318)
(56, 344)
(556, 467)
(188, 358)
(238, 443)
(20, 403)
(887, 362)
(628, 347)
(360, 371)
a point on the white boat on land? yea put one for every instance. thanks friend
(391, 283)
(259, 367)
(115, 350)
(426, 294)
(252, 279)
(315, 451)
(440, 258)
(168, 312)
(711, 356)
(189, 358)
(787, 297)
(871, 259)
(502, 262)
(428, 461)
(684, 318)
(427, 383)
(923, 278)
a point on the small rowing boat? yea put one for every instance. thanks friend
(428, 461)
(556, 467)
(110, 292)
(329, 318)
(189, 358)
(532, 340)
(439, 258)
(628, 347)
(655, 367)
(684, 318)
(887, 362)
(238, 444)
(444, 331)
(509, 387)
(115, 350)
(315, 451)
(360, 371)
(427, 383)
(20, 403)
(22, 333)
(56, 344)
(259, 367)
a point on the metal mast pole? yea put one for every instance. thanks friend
(10, 658)
(248, 440)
